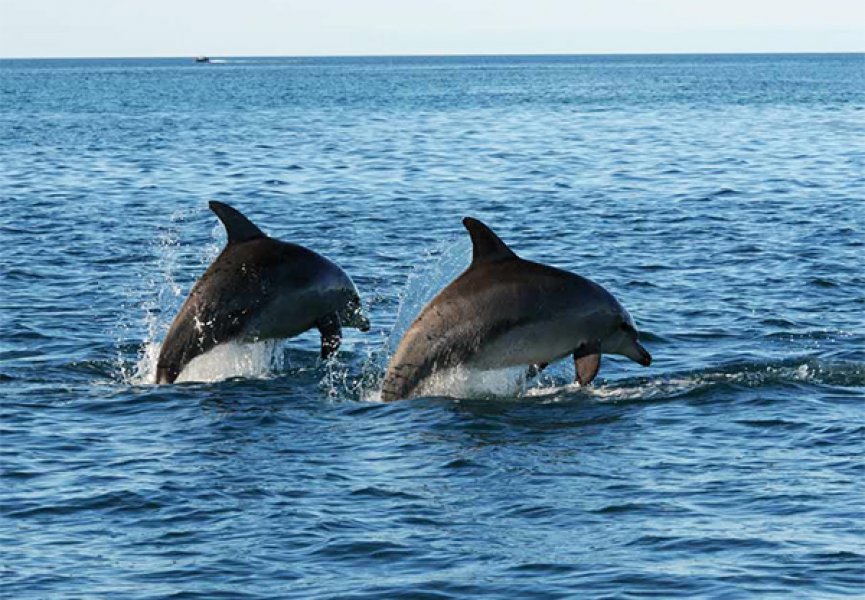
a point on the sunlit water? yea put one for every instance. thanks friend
(719, 198)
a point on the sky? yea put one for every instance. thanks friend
(116, 28)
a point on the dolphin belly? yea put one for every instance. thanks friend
(533, 343)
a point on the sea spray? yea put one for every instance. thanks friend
(258, 360)
(161, 295)
(440, 265)
(433, 270)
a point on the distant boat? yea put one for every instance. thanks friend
(202, 59)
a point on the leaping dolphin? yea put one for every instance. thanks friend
(259, 288)
(504, 311)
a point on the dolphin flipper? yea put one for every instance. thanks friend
(587, 362)
(587, 368)
(331, 334)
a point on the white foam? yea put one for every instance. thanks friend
(234, 359)
(462, 382)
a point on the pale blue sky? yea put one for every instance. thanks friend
(48, 28)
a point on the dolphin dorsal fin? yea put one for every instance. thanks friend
(239, 228)
(486, 245)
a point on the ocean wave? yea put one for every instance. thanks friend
(756, 374)
(511, 383)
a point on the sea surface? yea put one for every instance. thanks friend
(720, 198)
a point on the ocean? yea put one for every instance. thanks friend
(720, 198)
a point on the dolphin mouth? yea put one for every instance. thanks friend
(360, 321)
(643, 356)
(353, 316)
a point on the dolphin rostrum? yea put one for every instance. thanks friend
(504, 311)
(259, 288)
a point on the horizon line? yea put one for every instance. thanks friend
(439, 55)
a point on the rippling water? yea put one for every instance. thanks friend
(719, 197)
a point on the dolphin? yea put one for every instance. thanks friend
(504, 311)
(259, 288)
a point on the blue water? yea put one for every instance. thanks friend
(720, 198)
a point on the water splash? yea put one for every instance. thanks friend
(162, 295)
(692, 383)
(441, 265)
(462, 382)
(260, 360)
(338, 382)
(437, 267)
(512, 384)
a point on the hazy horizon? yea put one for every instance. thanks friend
(424, 55)
(167, 29)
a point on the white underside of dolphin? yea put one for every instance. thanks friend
(504, 311)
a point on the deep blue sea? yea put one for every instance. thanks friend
(720, 198)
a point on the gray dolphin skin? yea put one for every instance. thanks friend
(259, 288)
(504, 311)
